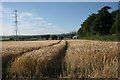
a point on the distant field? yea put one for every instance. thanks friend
(60, 59)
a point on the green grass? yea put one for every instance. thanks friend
(114, 37)
(4, 39)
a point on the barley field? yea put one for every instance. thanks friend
(92, 59)
(13, 49)
(60, 59)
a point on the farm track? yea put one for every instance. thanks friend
(7, 59)
(52, 67)
(76, 59)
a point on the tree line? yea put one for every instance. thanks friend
(102, 23)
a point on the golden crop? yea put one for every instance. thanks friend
(61, 59)
(43, 62)
(92, 59)
(10, 50)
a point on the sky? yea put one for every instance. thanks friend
(60, 0)
(37, 18)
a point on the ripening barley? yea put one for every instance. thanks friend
(74, 58)
(92, 59)
(13, 49)
(17, 47)
(45, 62)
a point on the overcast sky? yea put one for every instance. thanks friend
(47, 17)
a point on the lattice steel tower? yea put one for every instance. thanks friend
(16, 25)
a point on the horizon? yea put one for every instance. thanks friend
(37, 34)
(41, 18)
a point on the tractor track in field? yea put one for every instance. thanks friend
(59, 65)
(12, 57)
